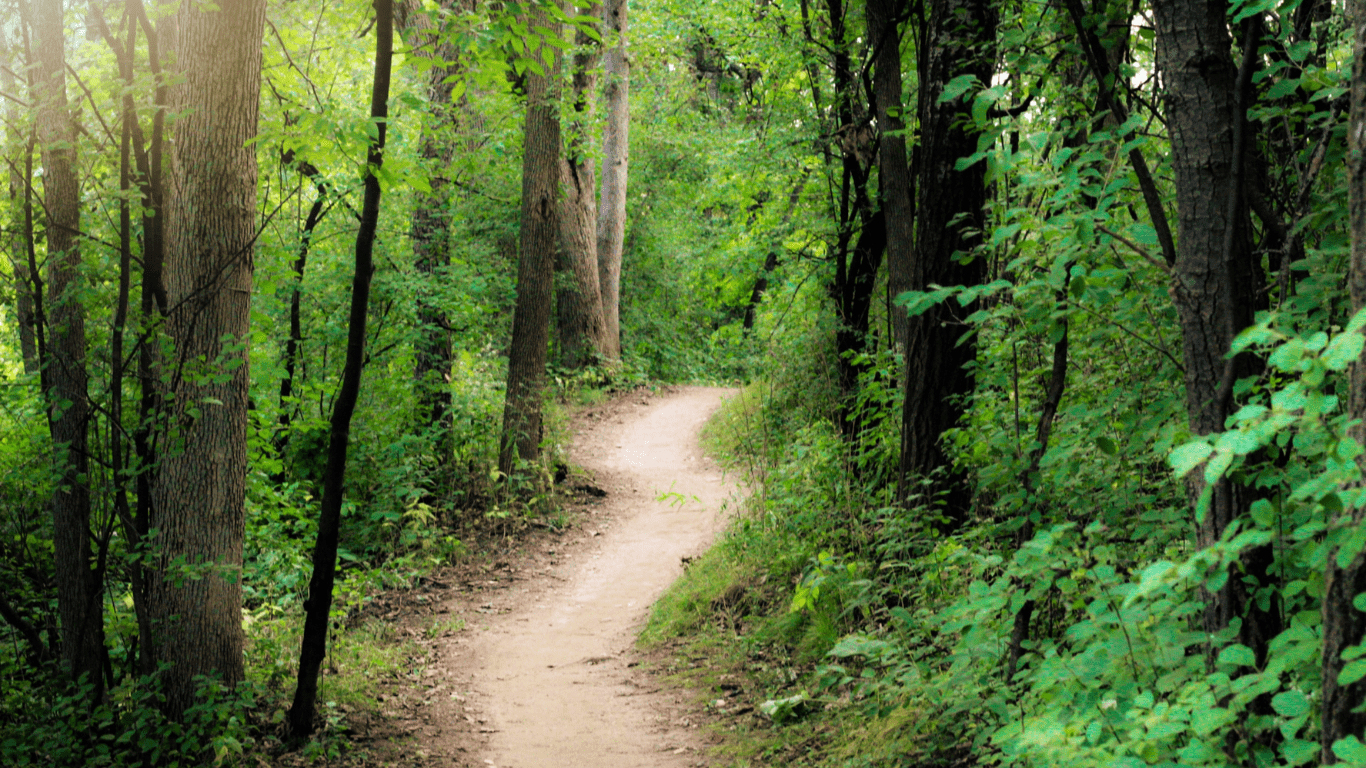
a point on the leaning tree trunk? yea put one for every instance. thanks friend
(961, 40)
(319, 604)
(521, 435)
(578, 298)
(615, 161)
(1343, 625)
(198, 494)
(1214, 280)
(78, 593)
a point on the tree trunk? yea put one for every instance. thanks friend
(960, 40)
(431, 217)
(14, 243)
(78, 593)
(578, 297)
(1214, 282)
(521, 435)
(319, 604)
(1343, 625)
(894, 176)
(294, 344)
(198, 495)
(615, 161)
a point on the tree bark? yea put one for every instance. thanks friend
(18, 249)
(1343, 625)
(894, 176)
(1214, 282)
(198, 494)
(521, 434)
(78, 593)
(578, 297)
(960, 39)
(319, 604)
(611, 225)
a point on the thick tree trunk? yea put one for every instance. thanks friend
(319, 604)
(1214, 282)
(578, 299)
(961, 40)
(1343, 625)
(521, 436)
(198, 494)
(78, 593)
(615, 162)
(894, 175)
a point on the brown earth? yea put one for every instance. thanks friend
(544, 672)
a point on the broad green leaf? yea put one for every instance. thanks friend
(1299, 751)
(1189, 456)
(1290, 703)
(1343, 351)
(1238, 655)
(1350, 750)
(1352, 672)
(956, 87)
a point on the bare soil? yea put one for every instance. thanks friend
(545, 672)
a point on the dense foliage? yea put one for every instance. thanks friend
(1041, 596)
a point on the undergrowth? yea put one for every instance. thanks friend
(832, 627)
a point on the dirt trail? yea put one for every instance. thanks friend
(549, 665)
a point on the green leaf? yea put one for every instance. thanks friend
(956, 87)
(1204, 720)
(1238, 655)
(1106, 445)
(1078, 286)
(1297, 751)
(1189, 456)
(1283, 88)
(1290, 703)
(1344, 349)
(1350, 750)
(1352, 672)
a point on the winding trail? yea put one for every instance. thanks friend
(552, 672)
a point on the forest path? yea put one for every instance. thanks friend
(552, 678)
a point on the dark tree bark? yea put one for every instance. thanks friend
(521, 434)
(854, 284)
(319, 604)
(14, 242)
(959, 39)
(861, 234)
(294, 344)
(198, 495)
(1343, 625)
(611, 224)
(78, 592)
(894, 175)
(578, 295)
(1214, 281)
